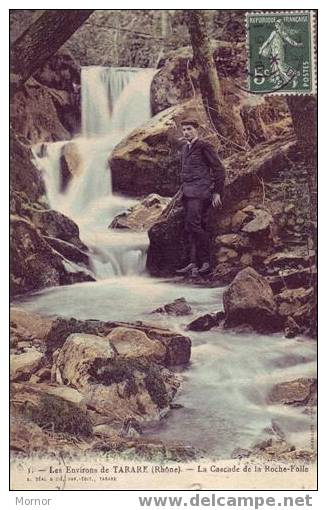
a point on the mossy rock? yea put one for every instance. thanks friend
(117, 370)
(59, 415)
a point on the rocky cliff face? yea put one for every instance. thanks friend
(48, 106)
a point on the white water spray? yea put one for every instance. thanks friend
(114, 102)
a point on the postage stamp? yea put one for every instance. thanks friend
(281, 57)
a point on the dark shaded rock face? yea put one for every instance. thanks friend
(55, 224)
(24, 177)
(177, 77)
(168, 249)
(68, 250)
(62, 75)
(250, 300)
(34, 264)
(34, 115)
(48, 106)
(206, 322)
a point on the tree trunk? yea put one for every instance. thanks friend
(204, 62)
(41, 40)
(221, 118)
(165, 26)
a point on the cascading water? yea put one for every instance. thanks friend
(114, 101)
(224, 392)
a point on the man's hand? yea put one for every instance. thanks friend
(216, 200)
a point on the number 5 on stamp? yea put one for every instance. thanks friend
(281, 56)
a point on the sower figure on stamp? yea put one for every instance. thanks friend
(202, 184)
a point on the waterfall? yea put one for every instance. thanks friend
(114, 102)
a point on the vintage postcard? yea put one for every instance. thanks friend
(163, 200)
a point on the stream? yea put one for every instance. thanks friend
(224, 389)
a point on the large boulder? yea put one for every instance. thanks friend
(75, 358)
(35, 325)
(178, 307)
(133, 343)
(115, 386)
(259, 225)
(177, 346)
(142, 216)
(70, 164)
(147, 160)
(250, 300)
(298, 392)
(22, 366)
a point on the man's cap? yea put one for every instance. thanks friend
(190, 122)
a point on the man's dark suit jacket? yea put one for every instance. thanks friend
(196, 178)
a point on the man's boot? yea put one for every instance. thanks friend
(186, 269)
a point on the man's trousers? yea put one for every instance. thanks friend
(196, 216)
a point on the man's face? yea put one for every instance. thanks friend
(189, 132)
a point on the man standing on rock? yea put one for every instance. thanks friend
(202, 177)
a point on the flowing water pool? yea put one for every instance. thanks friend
(225, 386)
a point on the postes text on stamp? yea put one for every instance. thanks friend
(281, 52)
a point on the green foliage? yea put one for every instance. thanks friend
(156, 387)
(55, 413)
(117, 370)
